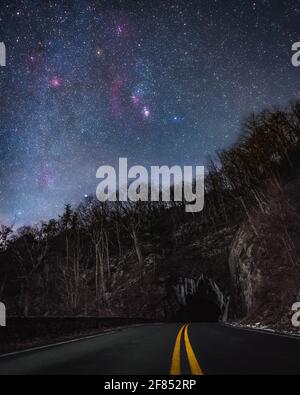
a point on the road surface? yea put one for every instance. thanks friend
(164, 349)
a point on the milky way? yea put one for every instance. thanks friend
(158, 82)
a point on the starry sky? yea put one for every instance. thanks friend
(159, 82)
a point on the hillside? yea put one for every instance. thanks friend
(238, 259)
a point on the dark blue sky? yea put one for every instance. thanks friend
(159, 82)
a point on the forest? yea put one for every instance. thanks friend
(69, 265)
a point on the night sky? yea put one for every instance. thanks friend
(158, 82)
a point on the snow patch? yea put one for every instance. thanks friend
(261, 327)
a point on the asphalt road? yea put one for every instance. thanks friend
(164, 349)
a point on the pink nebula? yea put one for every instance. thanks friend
(135, 100)
(55, 82)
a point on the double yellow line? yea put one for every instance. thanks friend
(176, 358)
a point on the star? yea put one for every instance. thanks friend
(99, 52)
(146, 112)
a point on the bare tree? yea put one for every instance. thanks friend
(30, 251)
(94, 217)
(133, 220)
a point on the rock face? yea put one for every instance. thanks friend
(246, 276)
(264, 261)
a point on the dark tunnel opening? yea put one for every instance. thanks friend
(199, 308)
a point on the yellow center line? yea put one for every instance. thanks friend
(176, 365)
(194, 365)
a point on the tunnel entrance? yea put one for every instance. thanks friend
(199, 309)
(201, 300)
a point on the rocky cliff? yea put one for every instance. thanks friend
(264, 260)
